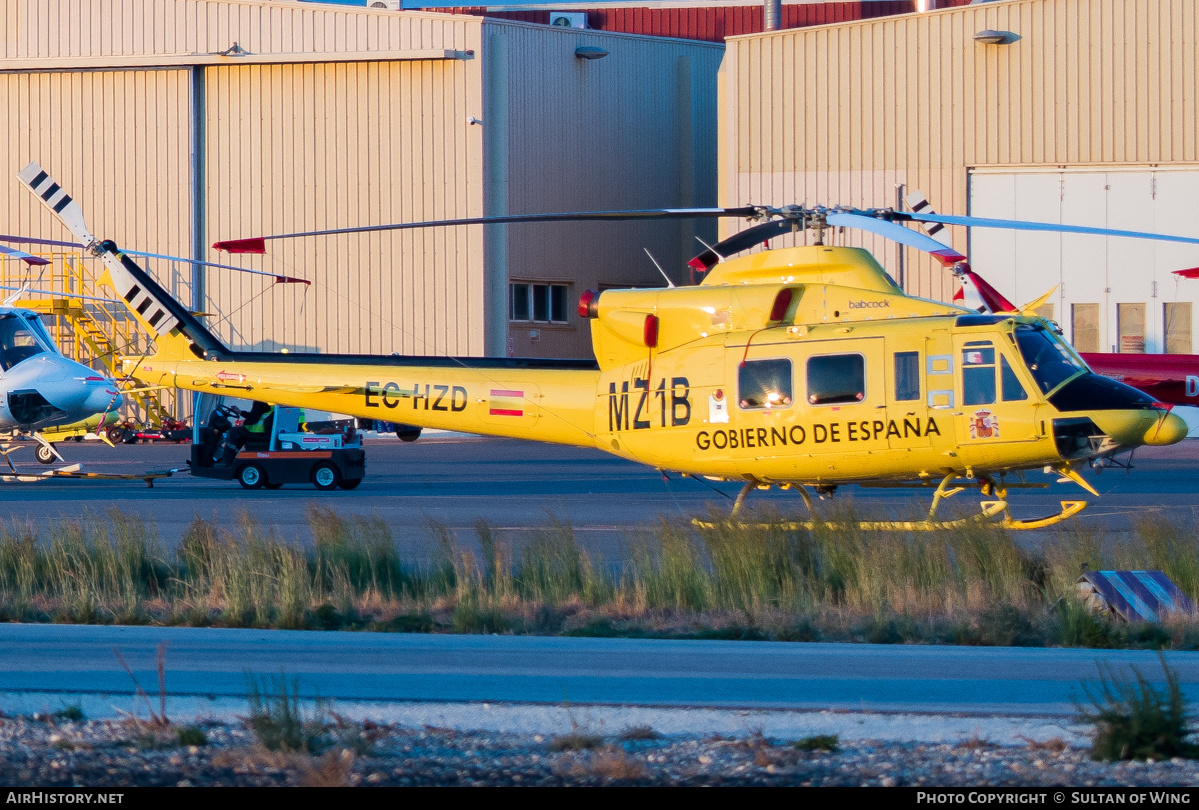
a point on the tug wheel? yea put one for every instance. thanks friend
(325, 476)
(251, 476)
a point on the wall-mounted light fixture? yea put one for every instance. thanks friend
(590, 52)
(989, 37)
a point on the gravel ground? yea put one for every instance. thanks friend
(44, 751)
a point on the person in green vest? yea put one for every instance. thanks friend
(258, 422)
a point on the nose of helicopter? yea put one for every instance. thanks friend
(1170, 429)
(1152, 426)
(103, 397)
(83, 390)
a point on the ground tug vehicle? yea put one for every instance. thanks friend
(803, 367)
(283, 455)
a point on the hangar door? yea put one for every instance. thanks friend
(1113, 294)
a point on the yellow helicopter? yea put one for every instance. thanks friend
(802, 367)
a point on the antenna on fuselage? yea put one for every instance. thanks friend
(719, 257)
(669, 283)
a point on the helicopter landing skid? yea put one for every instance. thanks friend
(989, 511)
(986, 515)
(1069, 509)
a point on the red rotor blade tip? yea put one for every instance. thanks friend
(1190, 272)
(255, 244)
(948, 257)
(34, 260)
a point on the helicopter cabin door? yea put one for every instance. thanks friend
(827, 397)
(994, 405)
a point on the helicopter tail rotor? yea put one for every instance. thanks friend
(151, 308)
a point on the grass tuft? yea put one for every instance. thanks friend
(277, 720)
(191, 735)
(72, 713)
(819, 742)
(1135, 720)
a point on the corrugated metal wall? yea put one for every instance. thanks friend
(280, 141)
(286, 147)
(313, 147)
(118, 140)
(840, 114)
(636, 127)
(49, 29)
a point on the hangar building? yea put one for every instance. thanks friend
(1071, 111)
(180, 123)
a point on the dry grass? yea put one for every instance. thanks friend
(736, 581)
(331, 770)
(611, 763)
(976, 743)
(1054, 745)
(638, 733)
(576, 740)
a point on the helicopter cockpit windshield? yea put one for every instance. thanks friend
(21, 336)
(1047, 357)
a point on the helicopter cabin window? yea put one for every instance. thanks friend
(978, 373)
(1013, 390)
(20, 339)
(764, 384)
(542, 303)
(1047, 357)
(834, 378)
(907, 376)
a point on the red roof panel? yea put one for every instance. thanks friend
(711, 23)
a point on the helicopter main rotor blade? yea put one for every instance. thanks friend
(31, 240)
(279, 279)
(944, 254)
(257, 244)
(1019, 225)
(23, 256)
(742, 240)
(60, 294)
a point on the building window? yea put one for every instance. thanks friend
(538, 303)
(764, 384)
(834, 378)
(1085, 320)
(1130, 325)
(1177, 318)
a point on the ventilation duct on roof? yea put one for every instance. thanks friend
(772, 15)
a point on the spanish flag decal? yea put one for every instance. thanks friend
(507, 402)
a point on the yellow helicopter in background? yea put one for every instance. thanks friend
(802, 367)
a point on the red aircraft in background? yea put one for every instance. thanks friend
(1169, 378)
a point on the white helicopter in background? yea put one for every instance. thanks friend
(40, 388)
